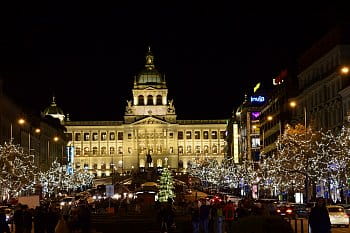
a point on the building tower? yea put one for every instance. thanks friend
(150, 95)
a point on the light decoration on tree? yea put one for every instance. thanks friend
(17, 170)
(166, 186)
(57, 179)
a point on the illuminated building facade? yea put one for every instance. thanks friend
(150, 130)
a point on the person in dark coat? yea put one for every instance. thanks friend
(4, 227)
(18, 219)
(52, 218)
(27, 219)
(319, 218)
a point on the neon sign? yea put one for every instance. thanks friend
(259, 99)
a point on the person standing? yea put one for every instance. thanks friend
(204, 212)
(229, 211)
(18, 219)
(195, 217)
(219, 218)
(4, 227)
(319, 218)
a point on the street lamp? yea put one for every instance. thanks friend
(293, 104)
(345, 70)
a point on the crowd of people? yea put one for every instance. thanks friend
(219, 217)
(48, 218)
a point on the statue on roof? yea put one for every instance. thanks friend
(129, 107)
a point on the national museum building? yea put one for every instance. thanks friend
(150, 131)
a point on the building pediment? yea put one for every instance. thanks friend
(149, 120)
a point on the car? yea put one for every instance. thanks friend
(232, 198)
(286, 210)
(67, 201)
(347, 209)
(300, 210)
(338, 216)
(215, 199)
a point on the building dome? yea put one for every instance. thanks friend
(149, 76)
(54, 111)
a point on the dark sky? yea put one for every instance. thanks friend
(88, 54)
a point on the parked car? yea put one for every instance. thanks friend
(286, 210)
(301, 210)
(67, 201)
(338, 216)
(347, 209)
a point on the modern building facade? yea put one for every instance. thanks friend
(150, 135)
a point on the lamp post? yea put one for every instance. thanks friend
(293, 104)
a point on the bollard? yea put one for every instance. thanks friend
(302, 225)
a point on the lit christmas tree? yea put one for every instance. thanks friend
(166, 187)
(17, 170)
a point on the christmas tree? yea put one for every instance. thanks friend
(166, 188)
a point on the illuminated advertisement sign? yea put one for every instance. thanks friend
(235, 143)
(255, 115)
(257, 99)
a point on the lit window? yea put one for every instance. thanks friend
(188, 134)
(111, 150)
(205, 135)
(112, 136)
(86, 150)
(197, 135)
(206, 149)
(103, 136)
(94, 136)
(86, 136)
(215, 149)
(214, 135)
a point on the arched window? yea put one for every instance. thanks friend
(111, 150)
(103, 150)
(159, 163)
(94, 150)
(149, 100)
(215, 149)
(159, 100)
(86, 150)
(141, 100)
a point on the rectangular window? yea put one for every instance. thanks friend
(120, 135)
(171, 150)
(86, 166)
(94, 166)
(181, 150)
(129, 150)
(197, 135)
(255, 142)
(86, 136)
(111, 166)
(111, 150)
(120, 150)
(112, 136)
(222, 134)
(171, 135)
(69, 136)
(180, 135)
(214, 134)
(77, 137)
(188, 135)
(77, 165)
(94, 136)
(189, 150)
(129, 135)
(205, 135)
(103, 136)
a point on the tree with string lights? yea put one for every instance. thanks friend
(166, 186)
(18, 170)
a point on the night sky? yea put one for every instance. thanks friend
(88, 54)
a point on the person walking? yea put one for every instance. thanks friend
(194, 217)
(229, 213)
(204, 212)
(18, 219)
(319, 218)
(4, 227)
